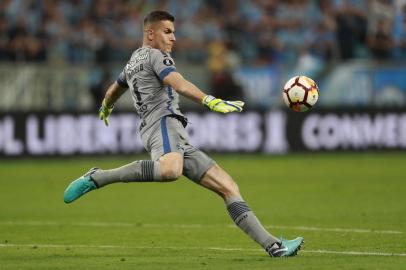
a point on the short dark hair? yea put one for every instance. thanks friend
(158, 15)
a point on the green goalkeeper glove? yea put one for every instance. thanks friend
(105, 111)
(222, 106)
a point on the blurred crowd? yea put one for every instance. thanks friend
(219, 33)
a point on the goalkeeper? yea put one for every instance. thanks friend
(151, 77)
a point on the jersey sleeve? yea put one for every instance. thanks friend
(162, 63)
(121, 80)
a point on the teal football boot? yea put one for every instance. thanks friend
(286, 248)
(80, 187)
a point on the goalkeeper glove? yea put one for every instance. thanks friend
(105, 111)
(222, 106)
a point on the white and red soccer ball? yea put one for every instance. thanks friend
(300, 93)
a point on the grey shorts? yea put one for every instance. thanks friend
(169, 135)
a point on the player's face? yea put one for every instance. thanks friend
(164, 36)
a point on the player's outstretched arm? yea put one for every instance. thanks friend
(112, 95)
(191, 91)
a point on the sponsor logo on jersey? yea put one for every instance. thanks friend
(168, 62)
(141, 56)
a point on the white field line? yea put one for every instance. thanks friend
(190, 226)
(351, 230)
(56, 246)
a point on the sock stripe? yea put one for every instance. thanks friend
(236, 209)
(147, 170)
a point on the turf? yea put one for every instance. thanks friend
(340, 203)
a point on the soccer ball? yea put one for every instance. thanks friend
(300, 93)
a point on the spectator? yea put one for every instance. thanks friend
(380, 25)
(381, 41)
(399, 33)
(294, 27)
(323, 42)
(4, 39)
(351, 26)
(99, 80)
(222, 84)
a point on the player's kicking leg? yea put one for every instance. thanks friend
(167, 168)
(80, 186)
(217, 180)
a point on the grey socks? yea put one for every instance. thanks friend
(244, 218)
(137, 171)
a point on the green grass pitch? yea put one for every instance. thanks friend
(351, 209)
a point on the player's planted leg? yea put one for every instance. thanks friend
(285, 248)
(220, 182)
(245, 218)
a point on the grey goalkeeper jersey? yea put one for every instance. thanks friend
(143, 75)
